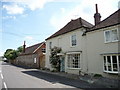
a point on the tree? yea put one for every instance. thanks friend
(6, 54)
(19, 50)
(10, 54)
(54, 58)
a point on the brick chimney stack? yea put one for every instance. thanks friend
(97, 16)
(24, 47)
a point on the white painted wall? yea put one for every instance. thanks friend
(64, 41)
(92, 46)
(95, 47)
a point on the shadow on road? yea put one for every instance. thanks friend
(60, 79)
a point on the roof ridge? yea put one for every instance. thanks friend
(34, 45)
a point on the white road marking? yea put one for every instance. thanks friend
(5, 85)
(1, 76)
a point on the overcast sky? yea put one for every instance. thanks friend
(35, 20)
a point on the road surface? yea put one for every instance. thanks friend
(0, 75)
(17, 77)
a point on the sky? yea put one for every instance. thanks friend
(35, 20)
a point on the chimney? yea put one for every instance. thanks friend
(24, 47)
(97, 16)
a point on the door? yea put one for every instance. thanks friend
(62, 64)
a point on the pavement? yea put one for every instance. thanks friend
(102, 82)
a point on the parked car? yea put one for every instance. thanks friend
(5, 60)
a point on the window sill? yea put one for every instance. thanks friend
(73, 46)
(74, 68)
(111, 72)
(111, 42)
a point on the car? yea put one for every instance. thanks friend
(5, 60)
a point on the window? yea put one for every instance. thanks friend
(73, 40)
(73, 60)
(35, 61)
(50, 45)
(111, 35)
(107, 36)
(43, 50)
(112, 63)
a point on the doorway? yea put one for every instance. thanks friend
(62, 64)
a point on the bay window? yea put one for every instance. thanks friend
(111, 63)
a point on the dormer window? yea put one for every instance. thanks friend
(111, 35)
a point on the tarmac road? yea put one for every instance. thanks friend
(17, 77)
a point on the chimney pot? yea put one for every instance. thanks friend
(96, 8)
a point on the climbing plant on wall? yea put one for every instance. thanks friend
(54, 58)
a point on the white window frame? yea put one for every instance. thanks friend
(78, 62)
(71, 40)
(50, 45)
(35, 60)
(111, 40)
(107, 71)
(43, 50)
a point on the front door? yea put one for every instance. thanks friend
(62, 64)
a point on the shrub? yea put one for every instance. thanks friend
(54, 58)
(97, 75)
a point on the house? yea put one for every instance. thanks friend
(71, 40)
(33, 56)
(103, 46)
(87, 48)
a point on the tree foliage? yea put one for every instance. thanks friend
(54, 58)
(19, 50)
(11, 54)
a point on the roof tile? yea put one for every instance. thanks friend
(71, 26)
(31, 49)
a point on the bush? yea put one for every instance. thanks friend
(97, 75)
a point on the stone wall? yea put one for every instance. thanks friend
(28, 60)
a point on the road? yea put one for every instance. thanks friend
(17, 77)
(0, 75)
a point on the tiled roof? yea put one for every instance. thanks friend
(113, 19)
(71, 26)
(31, 49)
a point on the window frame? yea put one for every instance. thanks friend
(111, 59)
(50, 45)
(110, 31)
(71, 41)
(43, 50)
(71, 53)
(35, 60)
